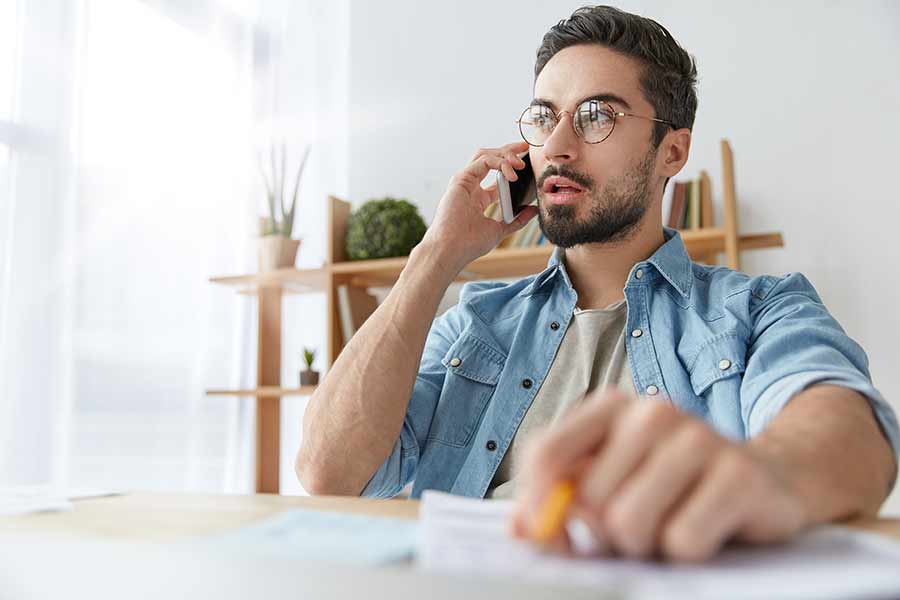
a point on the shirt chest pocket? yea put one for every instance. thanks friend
(473, 369)
(717, 368)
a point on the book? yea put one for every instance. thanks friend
(355, 305)
(707, 217)
(345, 313)
(676, 212)
(535, 236)
(695, 204)
(526, 234)
(688, 194)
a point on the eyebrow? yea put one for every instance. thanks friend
(606, 97)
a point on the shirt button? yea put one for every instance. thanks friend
(491, 445)
(526, 383)
(637, 333)
(724, 363)
(455, 362)
(652, 390)
(554, 325)
(639, 273)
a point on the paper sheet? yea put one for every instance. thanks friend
(466, 536)
(20, 500)
(327, 536)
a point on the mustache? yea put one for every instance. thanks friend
(569, 173)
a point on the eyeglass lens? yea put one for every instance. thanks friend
(593, 122)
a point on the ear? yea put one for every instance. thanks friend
(673, 152)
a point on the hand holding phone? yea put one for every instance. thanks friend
(516, 195)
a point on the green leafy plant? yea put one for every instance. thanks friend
(383, 228)
(309, 355)
(280, 219)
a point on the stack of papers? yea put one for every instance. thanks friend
(468, 536)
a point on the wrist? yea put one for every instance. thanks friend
(442, 260)
(803, 502)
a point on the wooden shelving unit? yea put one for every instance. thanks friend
(704, 245)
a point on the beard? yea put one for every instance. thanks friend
(615, 211)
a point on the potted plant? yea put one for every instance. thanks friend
(307, 375)
(383, 228)
(277, 248)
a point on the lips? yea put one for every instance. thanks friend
(561, 190)
(560, 185)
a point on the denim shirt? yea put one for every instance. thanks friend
(725, 347)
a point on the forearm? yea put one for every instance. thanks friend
(354, 418)
(828, 447)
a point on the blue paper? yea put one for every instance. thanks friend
(327, 536)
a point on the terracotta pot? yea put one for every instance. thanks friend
(309, 378)
(277, 252)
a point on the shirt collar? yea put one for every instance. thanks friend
(671, 260)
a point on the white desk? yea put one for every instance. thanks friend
(91, 552)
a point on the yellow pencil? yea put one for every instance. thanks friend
(552, 516)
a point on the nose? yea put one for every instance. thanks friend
(563, 144)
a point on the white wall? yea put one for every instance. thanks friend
(807, 92)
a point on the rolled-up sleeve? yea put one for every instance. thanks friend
(400, 466)
(796, 343)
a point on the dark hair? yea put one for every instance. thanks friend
(670, 74)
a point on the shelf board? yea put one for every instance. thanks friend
(266, 392)
(289, 279)
(499, 263)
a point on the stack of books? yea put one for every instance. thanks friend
(692, 206)
(529, 236)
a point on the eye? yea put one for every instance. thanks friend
(543, 118)
(593, 114)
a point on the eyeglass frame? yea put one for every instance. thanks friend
(557, 115)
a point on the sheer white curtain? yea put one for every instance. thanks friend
(128, 137)
(127, 132)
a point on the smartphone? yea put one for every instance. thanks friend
(516, 195)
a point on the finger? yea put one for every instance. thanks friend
(516, 147)
(518, 523)
(478, 169)
(532, 495)
(508, 171)
(566, 451)
(526, 214)
(631, 438)
(514, 159)
(710, 515)
(634, 515)
(585, 530)
(519, 528)
(493, 192)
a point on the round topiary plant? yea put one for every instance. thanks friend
(383, 229)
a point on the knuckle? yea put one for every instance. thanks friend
(681, 542)
(736, 468)
(651, 415)
(624, 527)
(695, 436)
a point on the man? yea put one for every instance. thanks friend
(692, 404)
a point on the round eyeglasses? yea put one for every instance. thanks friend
(593, 121)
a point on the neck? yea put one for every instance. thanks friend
(599, 271)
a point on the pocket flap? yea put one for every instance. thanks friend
(474, 359)
(721, 357)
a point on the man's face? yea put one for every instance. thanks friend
(617, 176)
